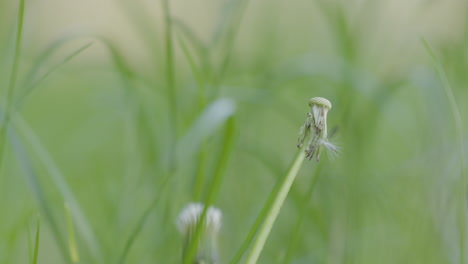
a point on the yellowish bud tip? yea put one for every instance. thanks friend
(320, 101)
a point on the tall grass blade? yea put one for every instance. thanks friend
(12, 82)
(36, 245)
(34, 183)
(34, 85)
(171, 82)
(213, 189)
(215, 115)
(141, 222)
(457, 118)
(59, 181)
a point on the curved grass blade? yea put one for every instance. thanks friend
(457, 118)
(59, 181)
(34, 183)
(34, 85)
(212, 117)
(12, 82)
(141, 223)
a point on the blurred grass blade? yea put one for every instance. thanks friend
(190, 35)
(12, 83)
(34, 183)
(457, 118)
(36, 245)
(171, 83)
(71, 236)
(214, 188)
(200, 172)
(59, 181)
(214, 116)
(141, 223)
(195, 71)
(34, 85)
(17, 54)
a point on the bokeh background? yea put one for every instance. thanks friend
(105, 122)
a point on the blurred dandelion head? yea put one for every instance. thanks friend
(187, 223)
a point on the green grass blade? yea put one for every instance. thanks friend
(457, 118)
(36, 245)
(200, 172)
(213, 190)
(170, 79)
(12, 82)
(17, 52)
(141, 223)
(59, 181)
(38, 191)
(53, 69)
(215, 115)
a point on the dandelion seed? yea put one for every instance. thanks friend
(187, 222)
(315, 127)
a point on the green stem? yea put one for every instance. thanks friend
(303, 209)
(275, 209)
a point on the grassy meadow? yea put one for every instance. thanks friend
(116, 114)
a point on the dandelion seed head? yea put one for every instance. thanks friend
(190, 215)
(315, 127)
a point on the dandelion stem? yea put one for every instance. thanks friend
(303, 208)
(277, 203)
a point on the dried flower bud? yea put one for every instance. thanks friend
(315, 126)
(187, 222)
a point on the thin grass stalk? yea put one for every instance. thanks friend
(296, 233)
(454, 109)
(36, 245)
(213, 190)
(171, 86)
(31, 87)
(32, 179)
(141, 222)
(12, 81)
(59, 181)
(201, 158)
(30, 247)
(277, 203)
(231, 36)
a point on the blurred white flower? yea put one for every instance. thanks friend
(187, 223)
